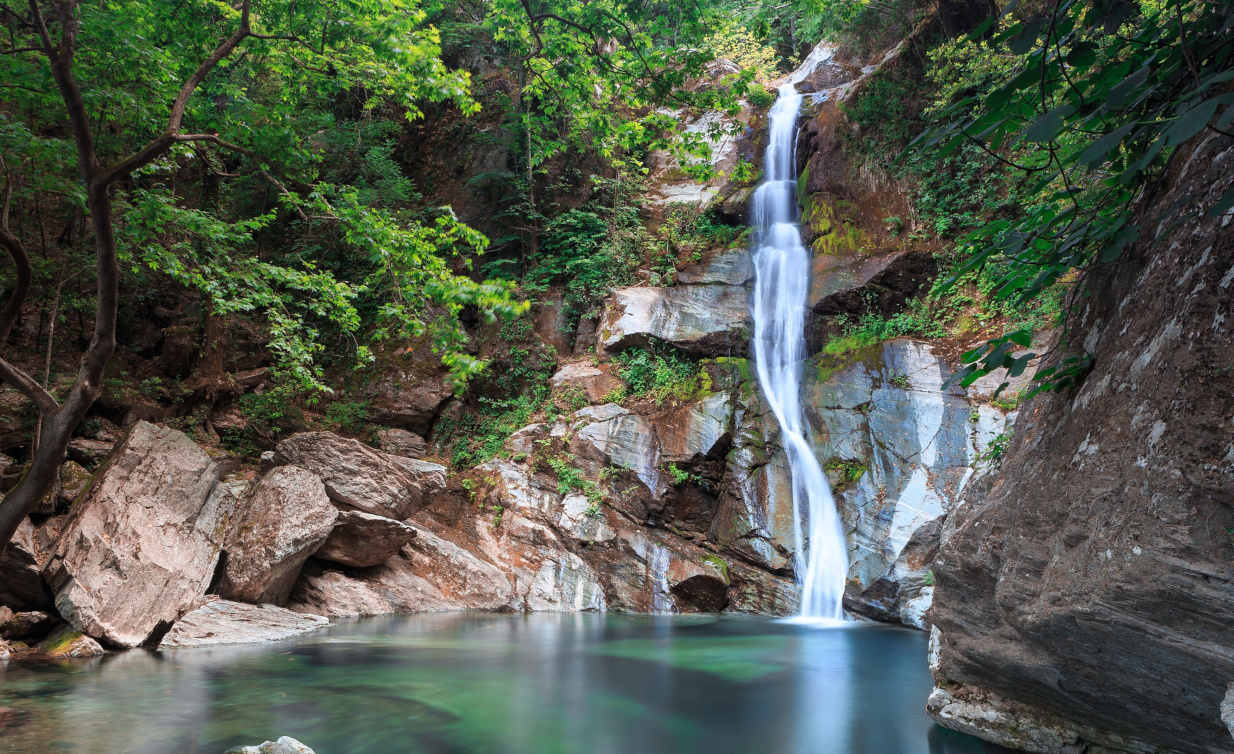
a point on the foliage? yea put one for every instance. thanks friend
(899, 379)
(268, 415)
(845, 471)
(735, 42)
(658, 375)
(994, 452)
(681, 476)
(759, 97)
(1089, 118)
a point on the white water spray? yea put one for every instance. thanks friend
(781, 282)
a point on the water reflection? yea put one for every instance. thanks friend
(515, 684)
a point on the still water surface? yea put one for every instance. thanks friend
(471, 683)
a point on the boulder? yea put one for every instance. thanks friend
(411, 397)
(89, 453)
(278, 525)
(400, 442)
(28, 626)
(140, 548)
(21, 584)
(73, 479)
(428, 575)
(360, 477)
(703, 320)
(222, 622)
(285, 745)
(361, 539)
(66, 642)
(594, 382)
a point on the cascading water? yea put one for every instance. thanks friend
(781, 281)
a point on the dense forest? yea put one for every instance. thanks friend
(316, 309)
(216, 187)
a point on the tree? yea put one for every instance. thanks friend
(1103, 94)
(145, 70)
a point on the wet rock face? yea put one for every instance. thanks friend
(1094, 582)
(911, 446)
(898, 451)
(357, 476)
(279, 524)
(141, 547)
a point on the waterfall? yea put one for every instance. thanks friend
(781, 282)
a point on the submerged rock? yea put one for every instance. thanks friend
(222, 622)
(279, 524)
(141, 548)
(360, 477)
(285, 745)
(361, 539)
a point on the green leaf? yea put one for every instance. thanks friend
(1223, 204)
(1045, 128)
(1119, 93)
(1027, 39)
(1097, 154)
(1192, 121)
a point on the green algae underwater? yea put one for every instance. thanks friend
(478, 683)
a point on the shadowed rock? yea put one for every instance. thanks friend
(361, 539)
(279, 524)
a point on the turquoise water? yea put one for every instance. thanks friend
(471, 683)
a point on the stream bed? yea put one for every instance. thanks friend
(471, 683)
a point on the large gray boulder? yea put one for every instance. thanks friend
(140, 547)
(1093, 582)
(361, 539)
(280, 523)
(222, 622)
(359, 477)
(704, 320)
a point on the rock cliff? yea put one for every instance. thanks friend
(1086, 602)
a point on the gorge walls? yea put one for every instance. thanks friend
(1086, 602)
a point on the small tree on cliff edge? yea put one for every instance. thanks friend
(145, 70)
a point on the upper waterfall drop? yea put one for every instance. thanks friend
(781, 283)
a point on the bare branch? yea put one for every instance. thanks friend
(29, 387)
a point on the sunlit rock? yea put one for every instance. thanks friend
(704, 320)
(222, 622)
(358, 476)
(141, 548)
